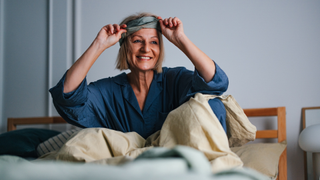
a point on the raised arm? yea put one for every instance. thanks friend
(107, 37)
(172, 29)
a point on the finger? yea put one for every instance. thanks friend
(159, 17)
(105, 28)
(121, 31)
(123, 26)
(110, 29)
(116, 28)
(175, 21)
(170, 22)
(165, 21)
(162, 26)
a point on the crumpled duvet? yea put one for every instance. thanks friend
(192, 124)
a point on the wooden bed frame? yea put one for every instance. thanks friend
(280, 133)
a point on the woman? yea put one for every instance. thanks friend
(140, 100)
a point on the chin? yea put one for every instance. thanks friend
(145, 69)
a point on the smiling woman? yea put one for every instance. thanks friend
(125, 41)
(141, 100)
(145, 50)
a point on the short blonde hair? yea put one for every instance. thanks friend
(124, 51)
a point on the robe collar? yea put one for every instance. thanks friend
(128, 94)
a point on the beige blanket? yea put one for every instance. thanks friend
(192, 124)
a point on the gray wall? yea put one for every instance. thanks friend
(269, 49)
(24, 59)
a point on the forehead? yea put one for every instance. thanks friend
(146, 33)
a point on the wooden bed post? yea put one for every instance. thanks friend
(10, 125)
(282, 135)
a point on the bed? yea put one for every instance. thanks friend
(279, 158)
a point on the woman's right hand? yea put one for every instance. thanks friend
(107, 37)
(110, 34)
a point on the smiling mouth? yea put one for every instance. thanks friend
(144, 57)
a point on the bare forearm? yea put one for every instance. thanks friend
(172, 29)
(108, 36)
(81, 67)
(200, 60)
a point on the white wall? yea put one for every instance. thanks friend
(37, 49)
(24, 59)
(269, 49)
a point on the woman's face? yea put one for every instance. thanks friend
(145, 50)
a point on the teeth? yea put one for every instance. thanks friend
(144, 57)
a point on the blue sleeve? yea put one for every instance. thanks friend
(218, 85)
(186, 83)
(75, 107)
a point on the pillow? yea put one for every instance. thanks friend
(54, 143)
(24, 142)
(262, 157)
(239, 129)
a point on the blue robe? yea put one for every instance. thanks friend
(111, 102)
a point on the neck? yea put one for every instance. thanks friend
(140, 81)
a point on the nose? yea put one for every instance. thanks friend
(145, 47)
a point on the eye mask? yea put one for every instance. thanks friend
(137, 24)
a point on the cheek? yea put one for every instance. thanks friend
(131, 53)
(133, 48)
(157, 51)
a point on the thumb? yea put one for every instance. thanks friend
(162, 26)
(122, 31)
(118, 33)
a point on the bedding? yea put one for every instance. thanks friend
(192, 124)
(24, 142)
(240, 130)
(54, 143)
(180, 162)
(248, 154)
(252, 156)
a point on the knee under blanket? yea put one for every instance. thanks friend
(192, 124)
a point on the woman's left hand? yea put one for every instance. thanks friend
(172, 29)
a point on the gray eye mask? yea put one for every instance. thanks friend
(137, 24)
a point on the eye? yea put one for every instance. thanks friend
(154, 42)
(137, 41)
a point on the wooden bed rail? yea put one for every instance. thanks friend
(280, 133)
(13, 122)
(280, 112)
